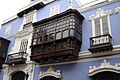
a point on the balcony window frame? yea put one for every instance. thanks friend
(99, 15)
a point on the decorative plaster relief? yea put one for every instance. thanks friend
(27, 68)
(24, 32)
(100, 13)
(50, 72)
(105, 66)
(117, 10)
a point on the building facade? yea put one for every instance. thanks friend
(62, 40)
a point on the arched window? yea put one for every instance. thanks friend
(106, 76)
(49, 78)
(19, 75)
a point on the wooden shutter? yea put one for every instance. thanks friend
(23, 46)
(105, 25)
(97, 27)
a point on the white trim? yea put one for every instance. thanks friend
(35, 16)
(93, 28)
(50, 72)
(9, 19)
(8, 29)
(27, 68)
(109, 25)
(117, 10)
(94, 4)
(100, 13)
(54, 10)
(104, 66)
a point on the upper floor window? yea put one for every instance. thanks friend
(101, 23)
(23, 46)
(29, 17)
(54, 10)
(8, 29)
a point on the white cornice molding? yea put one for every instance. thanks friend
(94, 4)
(9, 19)
(104, 66)
(100, 13)
(117, 10)
(50, 72)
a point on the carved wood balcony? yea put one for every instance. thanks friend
(57, 38)
(101, 43)
(16, 58)
(4, 44)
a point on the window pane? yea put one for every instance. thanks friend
(71, 32)
(65, 33)
(97, 27)
(105, 25)
(23, 46)
(58, 35)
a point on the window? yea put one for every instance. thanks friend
(106, 76)
(101, 23)
(20, 75)
(54, 10)
(58, 35)
(23, 46)
(29, 17)
(8, 29)
(65, 33)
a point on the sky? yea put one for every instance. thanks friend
(10, 8)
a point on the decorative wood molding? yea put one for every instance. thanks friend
(104, 66)
(50, 72)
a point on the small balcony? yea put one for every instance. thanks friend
(17, 58)
(101, 43)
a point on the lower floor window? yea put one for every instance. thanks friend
(106, 76)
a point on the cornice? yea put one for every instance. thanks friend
(9, 19)
(95, 4)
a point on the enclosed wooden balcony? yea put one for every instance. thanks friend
(4, 44)
(57, 38)
(16, 58)
(101, 43)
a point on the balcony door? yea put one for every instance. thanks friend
(19, 75)
(106, 76)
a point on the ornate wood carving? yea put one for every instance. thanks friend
(4, 44)
(57, 37)
(101, 43)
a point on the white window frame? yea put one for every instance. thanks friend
(100, 13)
(54, 10)
(8, 29)
(30, 15)
(24, 18)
